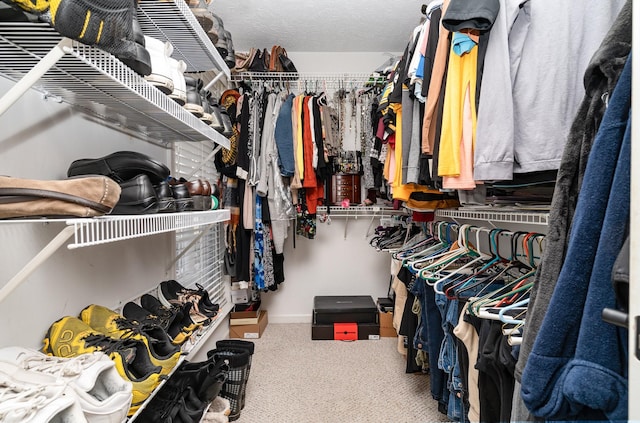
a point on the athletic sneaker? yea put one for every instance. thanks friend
(103, 394)
(170, 322)
(27, 397)
(70, 337)
(172, 292)
(161, 351)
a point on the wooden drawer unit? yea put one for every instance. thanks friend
(345, 185)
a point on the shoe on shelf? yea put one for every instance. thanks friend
(32, 398)
(216, 116)
(161, 351)
(161, 72)
(104, 396)
(206, 107)
(175, 319)
(121, 166)
(197, 192)
(206, 191)
(230, 58)
(135, 55)
(171, 292)
(133, 311)
(179, 93)
(166, 202)
(194, 99)
(184, 202)
(71, 337)
(226, 122)
(138, 196)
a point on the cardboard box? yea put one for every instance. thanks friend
(253, 331)
(386, 325)
(244, 317)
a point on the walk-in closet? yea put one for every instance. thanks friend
(270, 211)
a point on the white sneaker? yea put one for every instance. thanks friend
(179, 93)
(29, 397)
(161, 74)
(103, 395)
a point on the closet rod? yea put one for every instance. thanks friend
(345, 79)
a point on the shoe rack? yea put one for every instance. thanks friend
(98, 84)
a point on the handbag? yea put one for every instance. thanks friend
(287, 64)
(80, 196)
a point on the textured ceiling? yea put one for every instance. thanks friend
(320, 25)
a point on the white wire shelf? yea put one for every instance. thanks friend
(98, 84)
(173, 21)
(502, 216)
(106, 229)
(360, 211)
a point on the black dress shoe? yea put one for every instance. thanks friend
(121, 166)
(194, 99)
(184, 202)
(137, 197)
(136, 55)
(166, 202)
(226, 122)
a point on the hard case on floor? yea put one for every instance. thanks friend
(330, 331)
(328, 310)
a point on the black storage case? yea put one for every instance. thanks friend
(328, 310)
(327, 332)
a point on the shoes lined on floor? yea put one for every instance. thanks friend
(71, 337)
(103, 366)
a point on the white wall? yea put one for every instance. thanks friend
(338, 61)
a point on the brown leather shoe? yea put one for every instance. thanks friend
(196, 191)
(207, 195)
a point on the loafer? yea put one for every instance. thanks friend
(166, 202)
(137, 197)
(121, 166)
(206, 192)
(196, 191)
(184, 202)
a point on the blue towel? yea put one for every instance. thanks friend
(547, 370)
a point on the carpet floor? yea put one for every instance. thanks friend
(296, 380)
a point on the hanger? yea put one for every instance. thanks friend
(511, 320)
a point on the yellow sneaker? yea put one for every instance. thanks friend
(71, 337)
(160, 349)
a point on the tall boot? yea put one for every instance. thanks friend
(246, 345)
(235, 385)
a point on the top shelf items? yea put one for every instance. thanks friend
(100, 85)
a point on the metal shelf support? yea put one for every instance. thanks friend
(31, 77)
(36, 261)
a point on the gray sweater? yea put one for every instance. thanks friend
(531, 85)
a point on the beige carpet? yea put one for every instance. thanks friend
(296, 380)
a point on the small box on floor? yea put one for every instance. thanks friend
(240, 292)
(249, 331)
(386, 325)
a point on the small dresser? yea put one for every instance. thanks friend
(343, 186)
